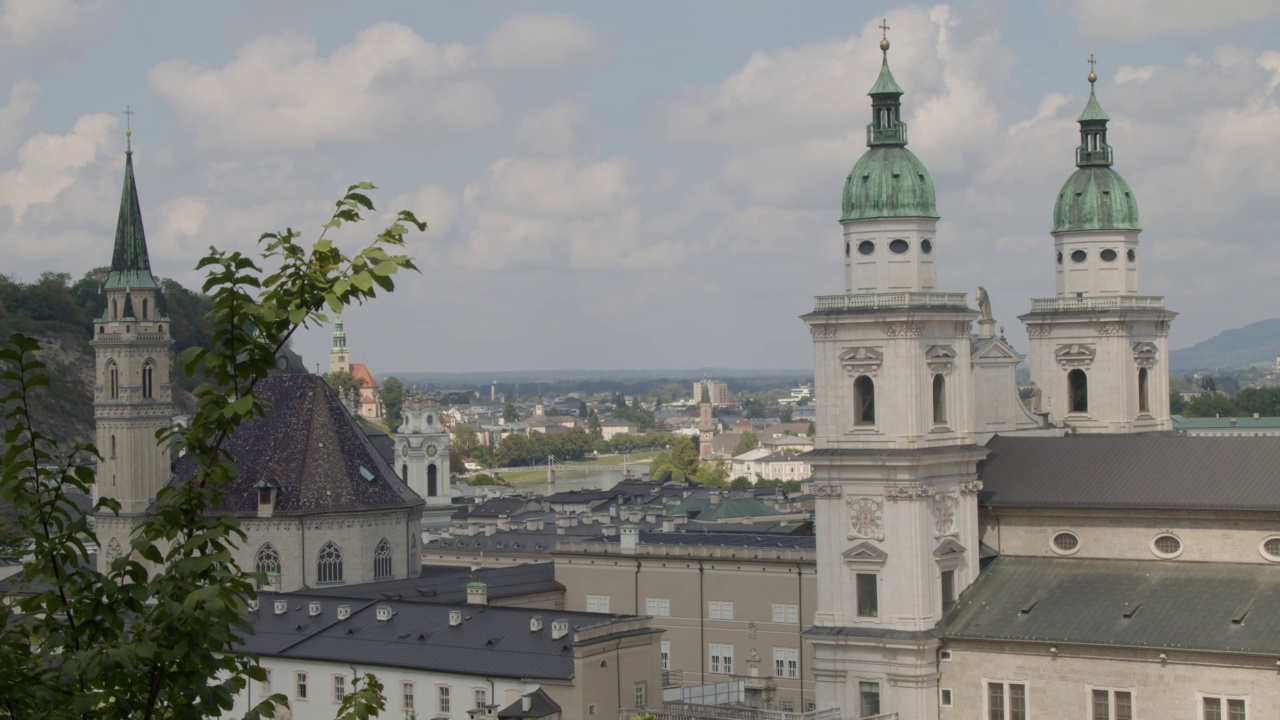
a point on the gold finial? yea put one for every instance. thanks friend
(884, 35)
(1093, 76)
(128, 130)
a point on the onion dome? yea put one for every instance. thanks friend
(888, 181)
(1095, 197)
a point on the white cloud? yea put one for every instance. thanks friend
(49, 164)
(279, 93)
(1140, 19)
(542, 42)
(29, 24)
(560, 129)
(22, 100)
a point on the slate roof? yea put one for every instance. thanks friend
(540, 705)
(310, 446)
(448, 584)
(728, 507)
(1148, 471)
(1171, 605)
(490, 642)
(521, 542)
(706, 539)
(497, 507)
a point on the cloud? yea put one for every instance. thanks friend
(278, 92)
(49, 164)
(30, 24)
(22, 100)
(1140, 19)
(560, 129)
(542, 42)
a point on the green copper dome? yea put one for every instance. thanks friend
(1095, 197)
(888, 181)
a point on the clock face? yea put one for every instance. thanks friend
(944, 514)
(866, 518)
(431, 450)
(404, 450)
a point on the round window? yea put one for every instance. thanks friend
(1066, 542)
(866, 247)
(1079, 256)
(1059, 258)
(1133, 255)
(1271, 548)
(1108, 255)
(926, 246)
(897, 247)
(1166, 546)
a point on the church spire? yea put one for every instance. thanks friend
(886, 126)
(130, 266)
(1093, 149)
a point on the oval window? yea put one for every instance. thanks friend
(866, 247)
(926, 246)
(897, 247)
(1066, 542)
(1079, 256)
(1271, 548)
(1133, 255)
(1166, 546)
(1108, 255)
(1059, 258)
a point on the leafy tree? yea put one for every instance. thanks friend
(1176, 402)
(1207, 384)
(619, 401)
(681, 460)
(343, 383)
(750, 441)
(642, 418)
(1211, 405)
(786, 414)
(593, 425)
(740, 483)
(456, 461)
(466, 440)
(813, 430)
(392, 393)
(714, 474)
(582, 408)
(517, 449)
(137, 641)
(509, 412)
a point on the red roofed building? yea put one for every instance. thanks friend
(369, 404)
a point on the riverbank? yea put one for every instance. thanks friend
(537, 476)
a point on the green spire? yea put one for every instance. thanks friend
(130, 266)
(339, 336)
(885, 84)
(1092, 111)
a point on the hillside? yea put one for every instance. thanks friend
(1242, 347)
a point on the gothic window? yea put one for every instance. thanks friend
(1078, 391)
(382, 561)
(864, 401)
(113, 380)
(267, 562)
(1144, 402)
(939, 400)
(144, 308)
(148, 376)
(113, 447)
(113, 551)
(329, 565)
(115, 310)
(432, 481)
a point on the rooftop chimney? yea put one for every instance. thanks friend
(455, 618)
(253, 605)
(559, 628)
(282, 607)
(313, 608)
(715, 498)
(477, 593)
(385, 613)
(344, 612)
(630, 537)
(535, 623)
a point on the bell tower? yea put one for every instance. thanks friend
(706, 424)
(339, 358)
(1099, 348)
(422, 452)
(132, 395)
(895, 480)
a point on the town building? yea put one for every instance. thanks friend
(716, 390)
(368, 401)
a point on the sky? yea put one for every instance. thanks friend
(636, 185)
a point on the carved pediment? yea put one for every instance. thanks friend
(1145, 353)
(861, 360)
(996, 349)
(941, 358)
(865, 552)
(1075, 355)
(949, 547)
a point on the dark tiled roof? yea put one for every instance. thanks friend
(1173, 605)
(1155, 471)
(540, 706)
(491, 641)
(701, 539)
(889, 452)
(313, 449)
(448, 584)
(497, 507)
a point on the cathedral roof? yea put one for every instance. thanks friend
(312, 449)
(130, 265)
(888, 181)
(1146, 471)
(1095, 197)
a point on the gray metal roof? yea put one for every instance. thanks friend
(1124, 603)
(706, 539)
(448, 584)
(491, 641)
(1156, 471)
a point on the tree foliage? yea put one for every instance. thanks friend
(681, 460)
(509, 412)
(518, 449)
(392, 394)
(750, 441)
(154, 636)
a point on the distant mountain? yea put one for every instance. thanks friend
(1242, 347)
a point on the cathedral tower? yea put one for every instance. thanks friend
(339, 358)
(132, 393)
(1099, 349)
(706, 424)
(422, 446)
(894, 461)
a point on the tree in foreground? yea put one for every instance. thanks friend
(155, 635)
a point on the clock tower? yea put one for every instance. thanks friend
(422, 454)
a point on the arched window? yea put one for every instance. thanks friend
(113, 380)
(382, 560)
(1144, 402)
(939, 400)
(404, 471)
(115, 310)
(113, 551)
(148, 375)
(267, 562)
(144, 308)
(113, 447)
(432, 480)
(329, 564)
(864, 401)
(1078, 391)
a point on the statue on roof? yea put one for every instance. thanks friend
(984, 303)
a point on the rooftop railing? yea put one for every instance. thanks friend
(1117, 302)
(879, 301)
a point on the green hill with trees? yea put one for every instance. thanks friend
(1252, 344)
